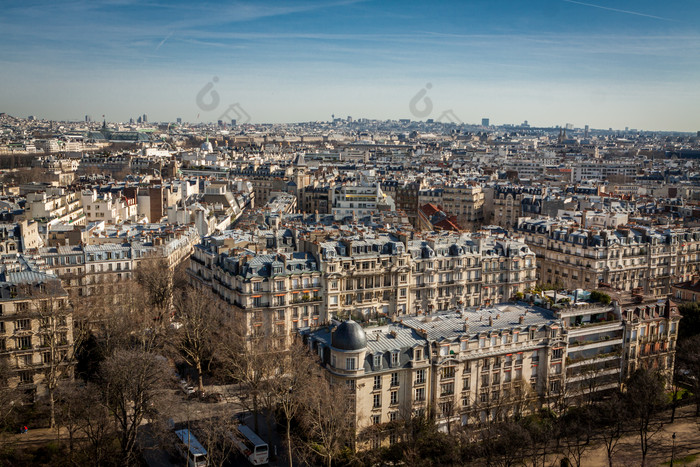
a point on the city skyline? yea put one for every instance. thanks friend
(614, 65)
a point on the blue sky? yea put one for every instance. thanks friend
(611, 63)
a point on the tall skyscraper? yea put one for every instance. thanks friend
(145, 118)
(179, 120)
(233, 122)
(485, 122)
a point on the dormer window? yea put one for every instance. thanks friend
(394, 358)
(418, 354)
(377, 362)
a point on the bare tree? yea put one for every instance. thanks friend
(156, 277)
(611, 417)
(198, 318)
(217, 430)
(688, 367)
(132, 381)
(327, 417)
(8, 396)
(296, 371)
(645, 397)
(56, 334)
(250, 360)
(576, 425)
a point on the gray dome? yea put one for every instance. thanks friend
(349, 336)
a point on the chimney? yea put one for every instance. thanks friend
(490, 320)
(521, 319)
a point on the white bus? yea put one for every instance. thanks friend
(251, 446)
(191, 449)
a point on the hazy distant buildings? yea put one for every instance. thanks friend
(485, 122)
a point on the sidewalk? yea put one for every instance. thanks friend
(34, 437)
(687, 430)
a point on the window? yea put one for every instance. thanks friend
(393, 416)
(515, 336)
(377, 399)
(507, 377)
(394, 358)
(394, 397)
(535, 357)
(493, 340)
(484, 379)
(557, 353)
(24, 343)
(23, 325)
(484, 397)
(420, 394)
(554, 386)
(377, 361)
(394, 379)
(26, 376)
(349, 363)
(376, 419)
(418, 354)
(482, 342)
(447, 389)
(420, 376)
(448, 372)
(463, 345)
(377, 382)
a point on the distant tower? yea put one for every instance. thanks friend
(485, 122)
(145, 118)
(585, 134)
(178, 120)
(233, 122)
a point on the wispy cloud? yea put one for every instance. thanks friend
(617, 10)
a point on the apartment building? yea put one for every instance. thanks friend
(465, 202)
(628, 258)
(451, 271)
(369, 274)
(468, 367)
(108, 207)
(358, 201)
(269, 294)
(36, 328)
(91, 269)
(55, 205)
(505, 206)
(484, 364)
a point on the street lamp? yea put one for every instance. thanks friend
(673, 447)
